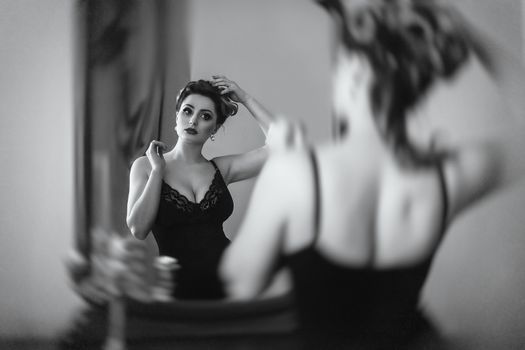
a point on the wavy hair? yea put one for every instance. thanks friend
(410, 44)
(224, 106)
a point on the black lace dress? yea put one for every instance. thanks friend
(193, 234)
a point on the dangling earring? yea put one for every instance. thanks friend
(212, 137)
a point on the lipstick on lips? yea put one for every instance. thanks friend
(191, 131)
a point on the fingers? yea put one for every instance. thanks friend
(229, 87)
(298, 135)
(155, 155)
(278, 135)
(286, 135)
(225, 90)
(158, 144)
(156, 148)
(221, 85)
(222, 82)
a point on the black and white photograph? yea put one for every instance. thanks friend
(245, 174)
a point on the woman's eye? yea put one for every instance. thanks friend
(206, 116)
(186, 111)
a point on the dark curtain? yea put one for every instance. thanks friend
(131, 59)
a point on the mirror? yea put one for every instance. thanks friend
(132, 59)
(134, 56)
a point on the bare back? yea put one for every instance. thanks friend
(373, 212)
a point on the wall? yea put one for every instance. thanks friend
(36, 219)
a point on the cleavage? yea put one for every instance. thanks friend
(193, 192)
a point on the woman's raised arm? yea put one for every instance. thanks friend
(476, 168)
(506, 68)
(243, 166)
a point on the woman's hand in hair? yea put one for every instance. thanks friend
(155, 155)
(230, 88)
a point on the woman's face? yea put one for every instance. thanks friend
(196, 119)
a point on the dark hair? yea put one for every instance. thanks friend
(224, 106)
(410, 44)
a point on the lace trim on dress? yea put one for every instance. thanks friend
(212, 195)
(182, 202)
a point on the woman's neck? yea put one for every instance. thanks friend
(187, 152)
(362, 128)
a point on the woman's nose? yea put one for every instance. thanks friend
(193, 121)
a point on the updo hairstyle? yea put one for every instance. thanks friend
(410, 44)
(224, 106)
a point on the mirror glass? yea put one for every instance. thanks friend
(133, 57)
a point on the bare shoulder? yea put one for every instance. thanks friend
(289, 167)
(280, 190)
(141, 165)
(286, 182)
(294, 174)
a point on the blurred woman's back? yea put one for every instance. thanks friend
(361, 242)
(373, 211)
(359, 221)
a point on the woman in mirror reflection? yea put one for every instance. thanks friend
(358, 222)
(182, 197)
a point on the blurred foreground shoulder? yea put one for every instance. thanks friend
(286, 170)
(248, 263)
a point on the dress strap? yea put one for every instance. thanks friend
(317, 196)
(214, 165)
(444, 195)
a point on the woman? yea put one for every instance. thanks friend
(181, 196)
(358, 222)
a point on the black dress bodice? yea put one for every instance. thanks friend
(339, 304)
(357, 302)
(193, 234)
